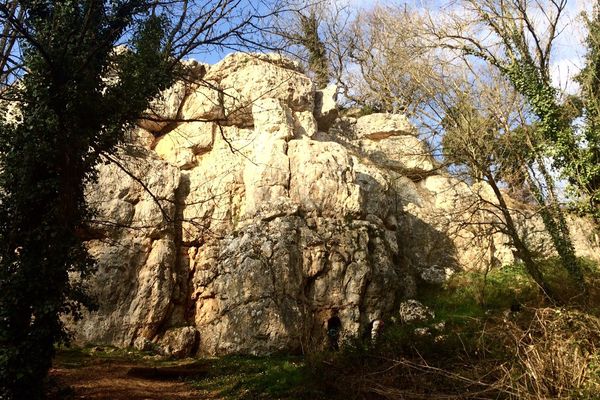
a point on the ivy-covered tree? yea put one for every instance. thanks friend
(521, 49)
(301, 32)
(305, 34)
(317, 54)
(483, 143)
(589, 153)
(70, 115)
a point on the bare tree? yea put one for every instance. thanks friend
(395, 66)
(318, 34)
(482, 143)
(486, 126)
(508, 36)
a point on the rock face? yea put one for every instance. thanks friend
(245, 216)
(134, 243)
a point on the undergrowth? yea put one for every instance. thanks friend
(494, 336)
(76, 357)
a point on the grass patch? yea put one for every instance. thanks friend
(472, 295)
(499, 339)
(247, 377)
(566, 288)
(227, 378)
(77, 357)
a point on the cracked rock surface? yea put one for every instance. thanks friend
(237, 224)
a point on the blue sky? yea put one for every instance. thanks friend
(568, 52)
(569, 49)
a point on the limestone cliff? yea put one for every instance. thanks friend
(243, 214)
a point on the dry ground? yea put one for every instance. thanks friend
(111, 378)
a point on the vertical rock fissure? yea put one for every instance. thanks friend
(184, 274)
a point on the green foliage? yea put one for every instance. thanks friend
(369, 109)
(482, 149)
(71, 115)
(553, 138)
(567, 287)
(527, 67)
(531, 82)
(470, 294)
(227, 378)
(77, 357)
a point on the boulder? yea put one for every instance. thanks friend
(405, 153)
(274, 118)
(435, 275)
(413, 311)
(165, 110)
(379, 126)
(205, 103)
(179, 342)
(305, 124)
(180, 146)
(326, 110)
(243, 79)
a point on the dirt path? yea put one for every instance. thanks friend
(109, 380)
(107, 373)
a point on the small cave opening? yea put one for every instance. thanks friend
(334, 327)
(366, 335)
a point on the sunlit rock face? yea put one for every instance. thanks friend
(243, 216)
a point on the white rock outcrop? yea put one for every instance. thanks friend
(235, 223)
(412, 311)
